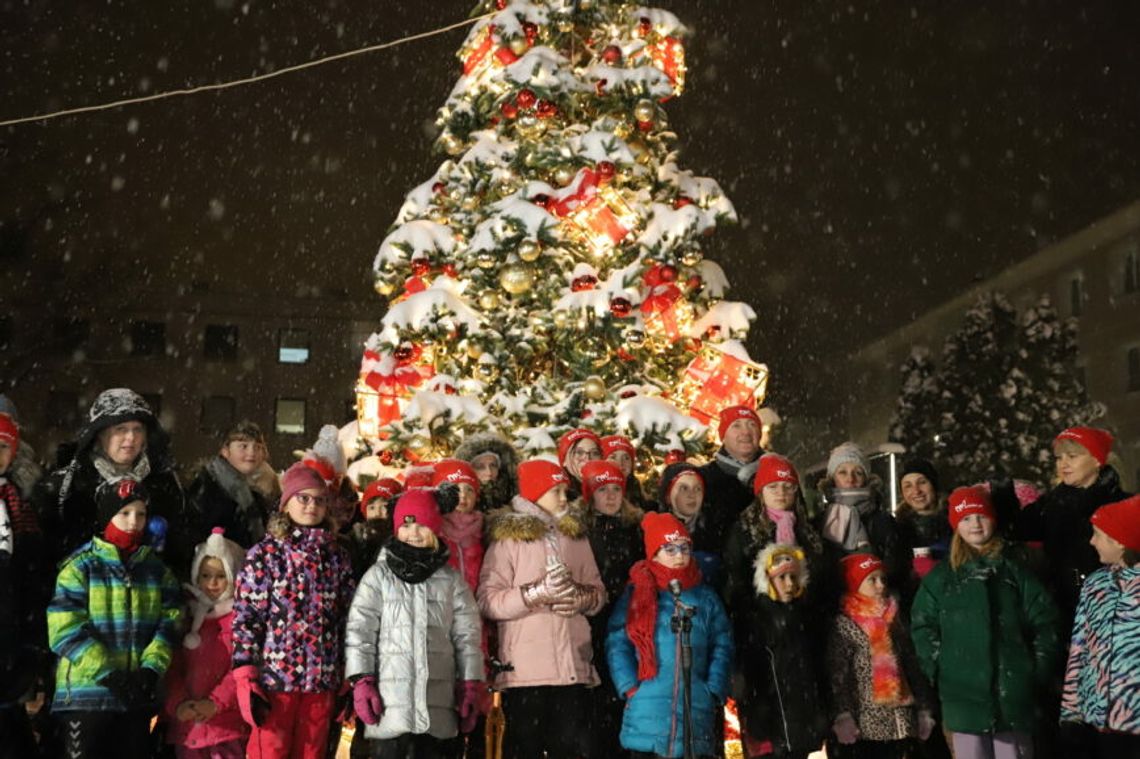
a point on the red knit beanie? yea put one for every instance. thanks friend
(9, 432)
(1096, 441)
(384, 488)
(774, 468)
(568, 439)
(418, 476)
(1120, 521)
(614, 443)
(300, 477)
(660, 529)
(595, 474)
(457, 472)
(536, 476)
(969, 500)
(733, 413)
(418, 506)
(856, 567)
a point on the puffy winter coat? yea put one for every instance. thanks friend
(1060, 519)
(543, 647)
(783, 699)
(1102, 679)
(204, 672)
(418, 640)
(499, 492)
(877, 521)
(726, 494)
(849, 667)
(219, 496)
(654, 717)
(986, 636)
(617, 545)
(109, 615)
(292, 597)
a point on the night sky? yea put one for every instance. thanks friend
(882, 156)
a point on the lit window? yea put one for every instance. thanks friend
(293, 346)
(290, 416)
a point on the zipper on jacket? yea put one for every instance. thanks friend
(779, 697)
(130, 620)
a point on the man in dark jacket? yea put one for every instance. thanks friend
(121, 439)
(728, 477)
(221, 494)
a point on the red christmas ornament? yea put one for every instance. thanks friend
(682, 201)
(530, 29)
(675, 456)
(644, 26)
(541, 200)
(508, 109)
(546, 109)
(500, 4)
(420, 267)
(668, 273)
(585, 282)
(404, 352)
(385, 457)
(600, 87)
(645, 126)
(695, 283)
(606, 170)
(612, 54)
(525, 99)
(437, 187)
(451, 271)
(621, 307)
(626, 394)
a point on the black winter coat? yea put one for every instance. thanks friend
(1060, 520)
(783, 696)
(211, 505)
(725, 498)
(617, 545)
(71, 522)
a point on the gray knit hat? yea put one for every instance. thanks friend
(847, 453)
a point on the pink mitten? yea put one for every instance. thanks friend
(468, 697)
(253, 703)
(845, 729)
(366, 700)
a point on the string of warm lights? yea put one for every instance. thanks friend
(241, 82)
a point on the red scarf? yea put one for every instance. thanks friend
(888, 686)
(126, 542)
(648, 578)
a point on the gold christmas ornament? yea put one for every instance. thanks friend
(486, 259)
(529, 250)
(634, 338)
(529, 126)
(488, 300)
(384, 286)
(564, 174)
(452, 145)
(585, 5)
(469, 202)
(518, 45)
(488, 371)
(516, 279)
(623, 129)
(419, 444)
(645, 110)
(692, 257)
(594, 388)
(561, 319)
(474, 350)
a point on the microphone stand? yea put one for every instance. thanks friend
(682, 624)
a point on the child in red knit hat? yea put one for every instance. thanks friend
(644, 653)
(879, 698)
(540, 584)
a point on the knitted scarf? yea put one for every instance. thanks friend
(744, 473)
(126, 542)
(873, 617)
(110, 472)
(648, 578)
(785, 521)
(414, 564)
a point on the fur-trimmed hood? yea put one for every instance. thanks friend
(525, 521)
(499, 492)
(281, 526)
(760, 580)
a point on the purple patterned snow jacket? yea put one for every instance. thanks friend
(290, 606)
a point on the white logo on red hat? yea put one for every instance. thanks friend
(783, 474)
(967, 505)
(605, 478)
(677, 537)
(458, 476)
(558, 477)
(868, 563)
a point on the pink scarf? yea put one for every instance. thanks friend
(785, 525)
(888, 684)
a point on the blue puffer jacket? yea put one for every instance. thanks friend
(654, 719)
(1102, 680)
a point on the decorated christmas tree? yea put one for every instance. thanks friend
(552, 273)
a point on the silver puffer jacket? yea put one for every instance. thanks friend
(418, 641)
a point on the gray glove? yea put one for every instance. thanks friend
(581, 598)
(554, 586)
